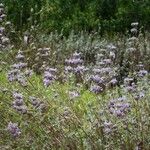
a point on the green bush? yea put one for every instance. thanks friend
(50, 15)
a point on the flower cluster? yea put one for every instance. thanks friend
(96, 89)
(131, 87)
(49, 76)
(104, 72)
(109, 127)
(141, 72)
(13, 129)
(119, 107)
(129, 84)
(19, 71)
(18, 103)
(132, 53)
(75, 66)
(37, 103)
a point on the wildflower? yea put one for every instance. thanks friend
(34, 101)
(113, 81)
(119, 107)
(75, 66)
(18, 103)
(49, 76)
(97, 79)
(19, 71)
(108, 127)
(96, 70)
(68, 69)
(17, 95)
(142, 73)
(139, 95)
(96, 89)
(80, 69)
(13, 129)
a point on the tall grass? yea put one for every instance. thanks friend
(75, 92)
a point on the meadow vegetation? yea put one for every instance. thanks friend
(83, 91)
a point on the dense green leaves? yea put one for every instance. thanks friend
(50, 15)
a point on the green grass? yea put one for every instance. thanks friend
(67, 123)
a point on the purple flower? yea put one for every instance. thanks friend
(34, 101)
(18, 103)
(130, 88)
(74, 61)
(16, 66)
(22, 65)
(17, 95)
(47, 82)
(97, 79)
(79, 69)
(118, 113)
(97, 70)
(142, 73)
(21, 109)
(13, 129)
(52, 70)
(119, 107)
(106, 70)
(108, 127)
(96, 89)
(113, 81)
(39, 105)
(68, 69)
(75, 66)
(49, 76)
(139, 95)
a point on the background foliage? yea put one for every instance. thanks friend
(100, 15)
